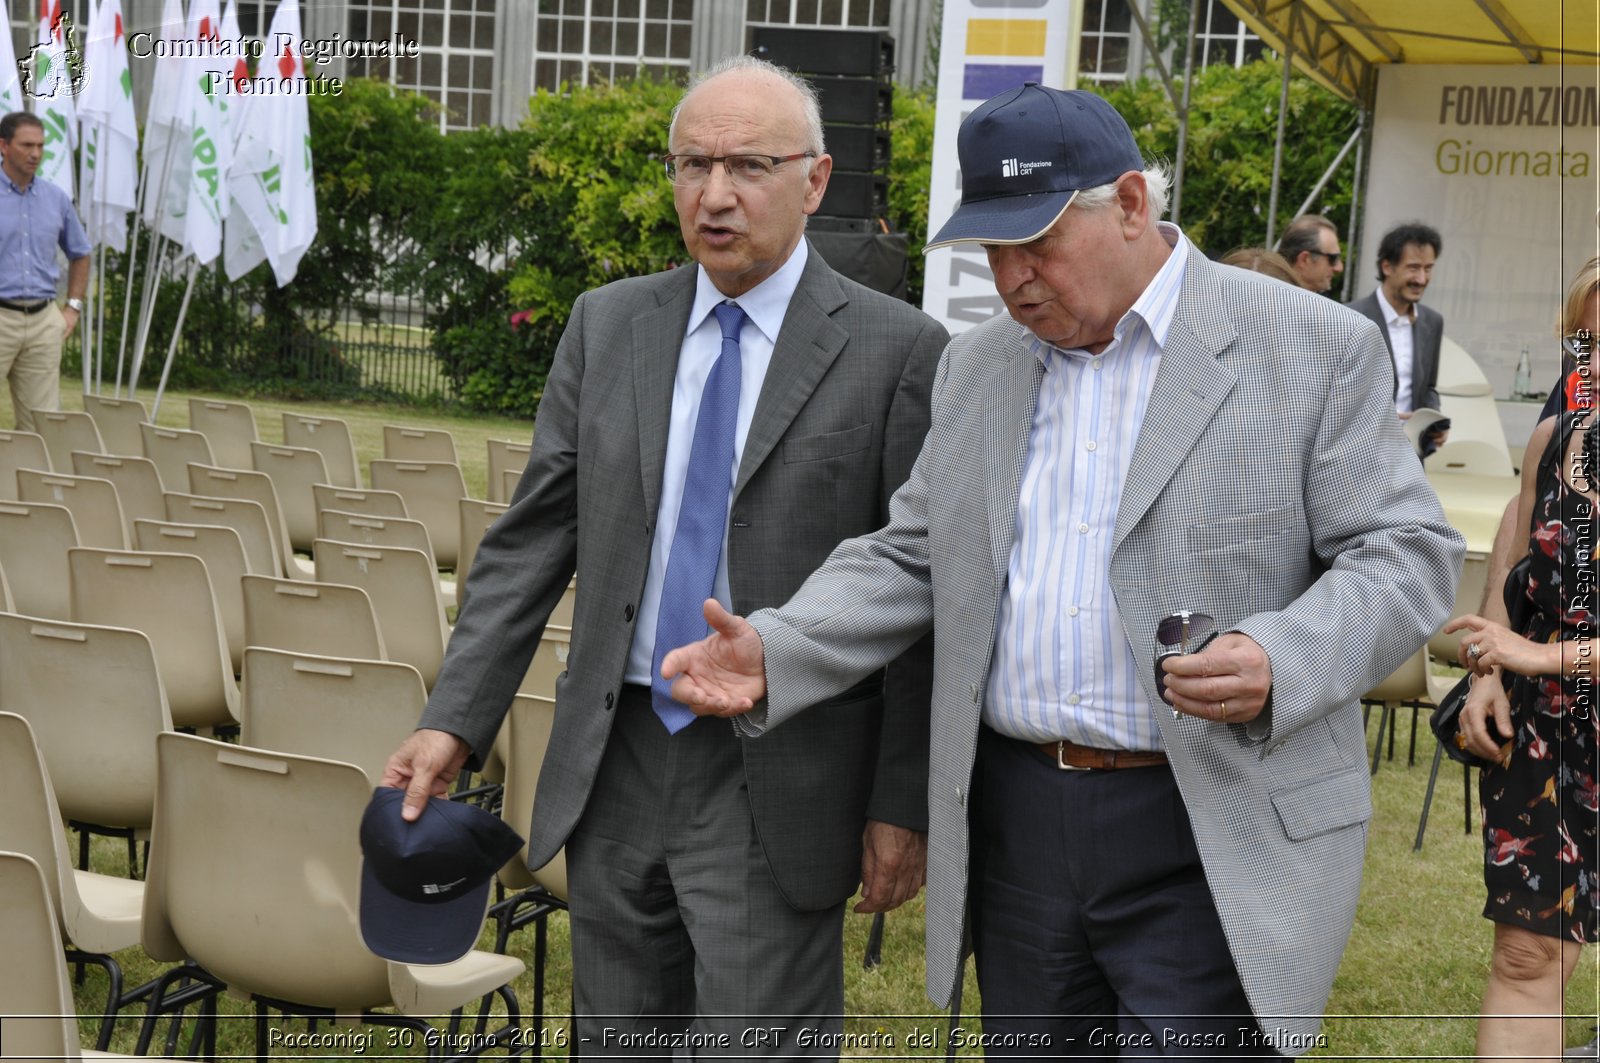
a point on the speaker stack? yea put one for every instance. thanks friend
(851, 70)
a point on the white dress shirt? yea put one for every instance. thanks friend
(1062, 665)
(764, 306)
(1401, 328)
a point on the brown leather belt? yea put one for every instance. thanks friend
(1069, 756)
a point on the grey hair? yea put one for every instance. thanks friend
(749, 64)
(1157, 183)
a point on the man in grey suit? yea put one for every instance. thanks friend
(1146, 433)
(1411, 331)
(711, 431)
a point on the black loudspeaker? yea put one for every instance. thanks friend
(861, 53)
(875, 259)
(856, 195)
(857, 147)
(858, 101)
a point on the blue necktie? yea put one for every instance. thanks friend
(702, 519)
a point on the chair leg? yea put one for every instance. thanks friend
(1411, 754)
(1385, 713)
(1427, 800)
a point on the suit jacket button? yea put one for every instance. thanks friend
(627, 613)
(610, 700)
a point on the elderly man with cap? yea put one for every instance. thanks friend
(1146, 449)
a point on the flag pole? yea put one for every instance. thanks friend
(132, 262)
(100, 328)
(172, 348)
(148, 298)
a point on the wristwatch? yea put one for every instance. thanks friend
(75, 304)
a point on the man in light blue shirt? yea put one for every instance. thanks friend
(36, 217)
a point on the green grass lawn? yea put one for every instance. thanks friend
(1412, 975)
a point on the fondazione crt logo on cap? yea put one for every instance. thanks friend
(1013, 168)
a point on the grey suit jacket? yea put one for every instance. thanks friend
(1270, 486)
(1426, 334)
(841, 417)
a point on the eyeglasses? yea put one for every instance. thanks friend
(1333, 257)
(691, 170)
(1180, 633)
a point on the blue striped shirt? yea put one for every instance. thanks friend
(1062, 666)
(33, 222)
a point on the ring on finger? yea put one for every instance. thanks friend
(1474, 650)
(1222, 711)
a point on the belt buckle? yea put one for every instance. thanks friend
(1061, 747)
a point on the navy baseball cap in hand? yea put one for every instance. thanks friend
(1025, 154)
(425, 885)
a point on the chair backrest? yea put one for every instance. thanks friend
(509, 478)
(294, 471)
(373, 531)
(169, 598)
(172, 449)
(476, 516)
(549, 661)
(230, 427)
(505, 457)
(34, 540)
(403, 443)
(65, 431)
(304, 617)
(254, 487)
(525, 736)
(95, 508)
(359, 500)
(1469, 595)
(32, 825)
(356, 711)
(274, 835)
(331, 436)
(244, 516)
(1409, 682)
(433, 491)
(40, 1019)
(404, 588)
(93, 698)
(137, 481)
(1474, 456)
(223, 552)
(20, 450)
(7, 605)
(118, 421)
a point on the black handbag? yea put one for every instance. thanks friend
(1446, 725)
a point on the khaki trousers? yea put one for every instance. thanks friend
(30, 359)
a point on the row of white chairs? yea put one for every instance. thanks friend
(226, 433)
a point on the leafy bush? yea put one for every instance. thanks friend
(1233, 122)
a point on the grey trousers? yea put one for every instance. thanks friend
(682, 944)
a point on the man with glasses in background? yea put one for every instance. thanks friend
(710, 431)
(1311, 246)
(1147, 451)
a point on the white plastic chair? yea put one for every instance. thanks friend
(300, 616)
(330, 436)
(63, 432)
(230, 427)
(173, 449)
(20, 450)
(96, 510)
(118, 421)
(404, 443)
(505, 457)
(34, 540)
(433, 491)
(404, 589)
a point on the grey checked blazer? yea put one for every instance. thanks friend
(841, 417)
(1425, 337)
(1270, 486)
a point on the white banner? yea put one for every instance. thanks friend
(986, 47)
(1502, 161)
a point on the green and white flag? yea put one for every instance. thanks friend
(110, 132)
(10, 85)
(272, 182)
(53, 88)
(210, 137)
(167, 144)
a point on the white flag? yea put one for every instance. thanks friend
(272, 180)
(10, 86)
(241, 247)
(53, 87)
(166, 130)
(211, 140)
(110, 132)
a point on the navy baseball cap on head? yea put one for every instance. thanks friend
(425, 885)
(1025, 154)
